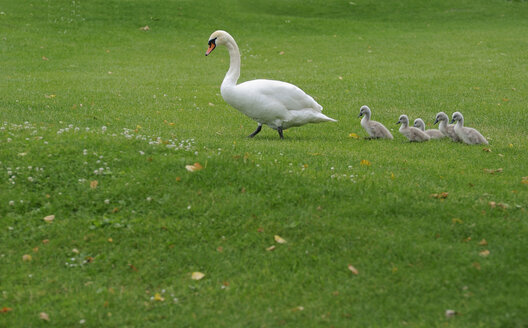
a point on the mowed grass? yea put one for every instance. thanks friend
(86, 95)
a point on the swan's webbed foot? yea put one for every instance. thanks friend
(279, 129)
(259, 127)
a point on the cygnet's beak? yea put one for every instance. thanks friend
(360, 114)
(398, 122)
(212, 46)
(452, 121)
(436, 121)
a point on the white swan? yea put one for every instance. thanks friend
(467, 135)
(412, 133)
(373, 128)
(432, 133)
(277, 104)
(447, 129)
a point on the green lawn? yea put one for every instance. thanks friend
(99, 117)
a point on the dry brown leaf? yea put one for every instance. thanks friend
(483, 242)
(279, 239)
(49, 218)
(493, 171)
(195, 167)
(485, 253)
(524, 180)
(353, 135)
(145, 28)
(271, 248)
(442, 195)
(26, 258)
(364, 162)
(488, 150)
(5, 309)
(93, 184)
(45, 241)
(44, 316)
(197, 275)
(353, 269)
(219, 249)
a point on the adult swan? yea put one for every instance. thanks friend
(277, 104)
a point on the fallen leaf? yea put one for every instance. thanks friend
(93, 184)
(157, 297)
(197, 275)
(476, 265)
(487, 150)
(44, 58)
(6, 309)
(44, 316)
(178, 179)
(442, 195)
(298, 308)
(145, 28)
(195, 167)
(50, 96)
(211, 104)
(26, 258)
(281, 53)
(271, 248)
(353, 269)
(219, 249)
(468, 239)
(110, 240)
(49, 218)
(493, 171)
(524, 180)
(484, 253)
(483, 242)
(455, 220)
(364, 162)
(450, 313)
(133, 267)
(353, 135)
(279, 239)
(45, 241)
(75, 251)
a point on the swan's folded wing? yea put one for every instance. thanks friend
(379, 130)
(287, 94)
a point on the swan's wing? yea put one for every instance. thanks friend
(280, 93)
(434, 133)
(417, 134)
(378, 130)
(474, 136)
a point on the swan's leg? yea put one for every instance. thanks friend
(259, 127)
(279, 129)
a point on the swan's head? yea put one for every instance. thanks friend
(457, 116)
(441, 117)
(403, 120)
(217, 38)
(419, 123)
(364, 111)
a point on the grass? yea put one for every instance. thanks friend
(85, 95)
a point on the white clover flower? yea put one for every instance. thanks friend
(30, 179)
(11, 203)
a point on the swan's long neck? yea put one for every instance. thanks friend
(442, 125)
(460, 122)
(233, 73)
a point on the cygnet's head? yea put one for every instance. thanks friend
(364, 111)
(441, 117)
(217, 38)
(457, 116)
(419, 123)
(403, 120)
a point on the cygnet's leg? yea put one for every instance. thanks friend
(279, 129)
(259, 127)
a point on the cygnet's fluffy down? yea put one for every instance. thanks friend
(447, 129)
(432, 133)
(374, 129)
(469, 136)
(412, 133)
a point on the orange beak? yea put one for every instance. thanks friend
(212, 45)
